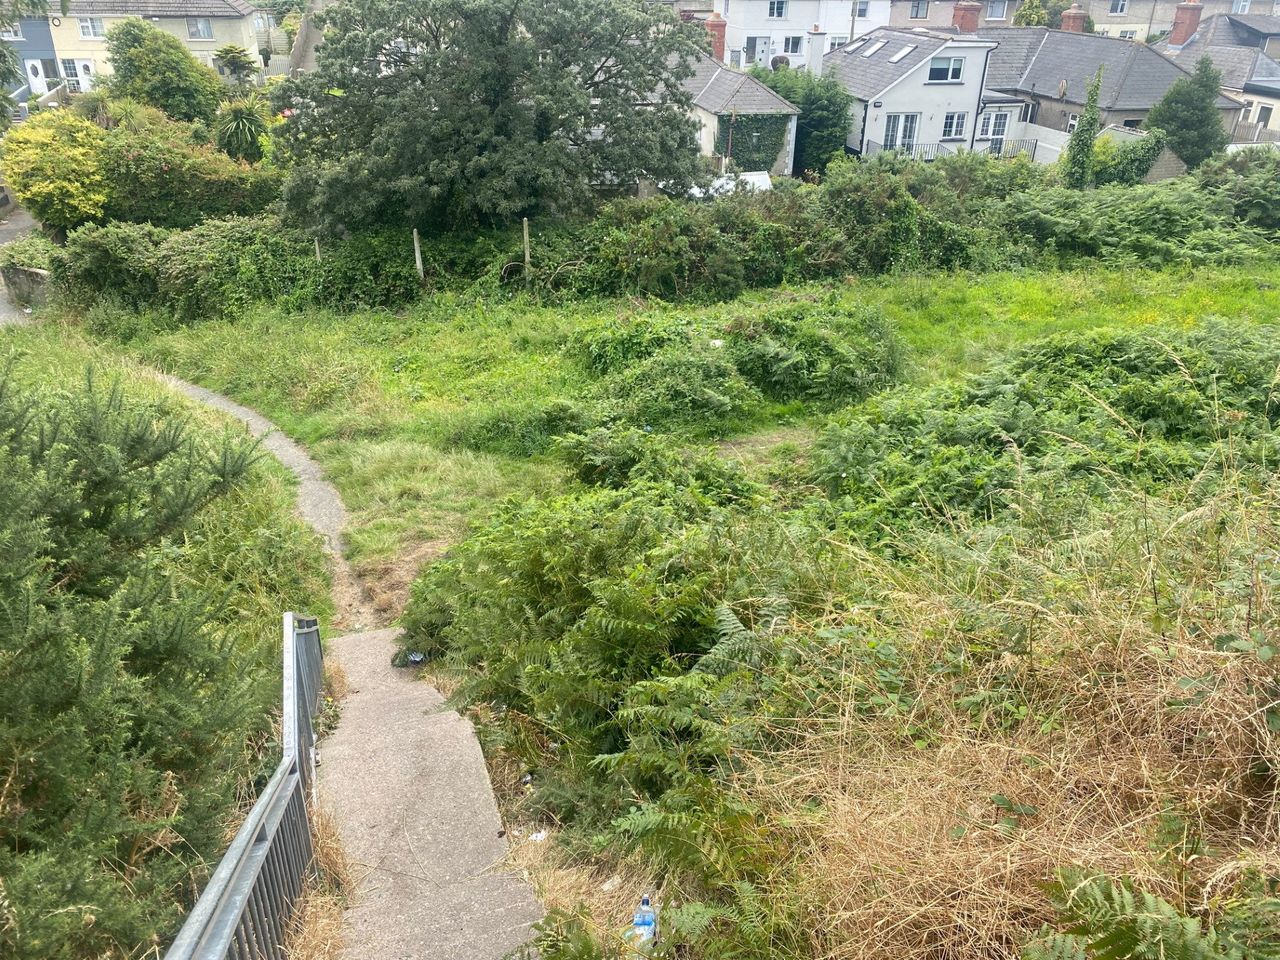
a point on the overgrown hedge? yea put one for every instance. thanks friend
(884, 215)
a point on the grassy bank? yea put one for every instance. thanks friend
(425, 419)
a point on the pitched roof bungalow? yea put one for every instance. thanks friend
(733, 110)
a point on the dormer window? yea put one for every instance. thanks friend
(946, 69)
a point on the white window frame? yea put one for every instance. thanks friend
(897, 123)
(864, 9)
(919, 3)
(1073, 120)
(197, 23)
(837, 41)
(12, 33)
(997, 9)
(92, 28)
(954, 68)
(1118, 8)
(792, 45)
(1240, 6)
(955, 119)
(777, 9)
(1128, 34)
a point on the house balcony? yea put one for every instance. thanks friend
(916, 151)
(1005, 147)
(1246, 132)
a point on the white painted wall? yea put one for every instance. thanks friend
(932, 101)
(753, 36)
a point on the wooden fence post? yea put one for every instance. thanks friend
(527, 259)
(317, 240)
(417, 254)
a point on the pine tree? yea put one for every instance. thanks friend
(1079, 157)
(1189, 115)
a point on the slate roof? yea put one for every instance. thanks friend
(1059, 64)
(722, 90)
(1232, 45)
(159, 8)
(868, 76)
(1258, 23)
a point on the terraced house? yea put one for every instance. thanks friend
(79, 37)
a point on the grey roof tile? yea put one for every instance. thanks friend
(867, 76)
(1060, 66)
(1231, 46)
(160, 8)
(722, 90)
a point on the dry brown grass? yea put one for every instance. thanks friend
(316, 930)
(1140, 754)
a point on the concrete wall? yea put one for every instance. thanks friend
(25, 286)
(709, 131)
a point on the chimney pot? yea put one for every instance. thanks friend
(1186, 22)
(716, 27)
(1073, 19)
(964, 16)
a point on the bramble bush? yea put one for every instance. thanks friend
(31, 250)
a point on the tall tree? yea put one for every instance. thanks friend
(461, 112)
(1188, 113)
(153, 67)
(824, 121)
(1078, 171)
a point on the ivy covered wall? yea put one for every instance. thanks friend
(756, 139)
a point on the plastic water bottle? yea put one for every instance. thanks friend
(644, 926)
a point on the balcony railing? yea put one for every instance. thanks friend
(917, 151)
(1004, 147)
(1246, 132)
(246, 908)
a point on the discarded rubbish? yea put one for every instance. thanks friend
(644, 926)
(539, 836)
(417, 658)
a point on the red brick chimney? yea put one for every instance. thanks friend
(1073, 19)
(716, 26)
(1186, 21)
(964, 16)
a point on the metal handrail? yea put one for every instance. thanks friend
(244, 911)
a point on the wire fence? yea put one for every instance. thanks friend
(245, 910)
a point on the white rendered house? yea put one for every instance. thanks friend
(760, 30)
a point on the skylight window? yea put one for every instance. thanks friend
(874, 48)
(902, 53)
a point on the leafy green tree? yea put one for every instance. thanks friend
(237, 62)
(153, 67)
(457, 112)
(1032, 13)
(241, 127)
(55, 166)
(1078, 161)
(1188, 113)
(824, 121)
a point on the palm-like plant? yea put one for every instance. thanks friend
(240, 127)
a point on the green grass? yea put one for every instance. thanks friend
(382, 399)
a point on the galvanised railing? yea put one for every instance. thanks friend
(246, 907)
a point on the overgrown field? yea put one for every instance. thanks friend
(147, 556)
(426, 419)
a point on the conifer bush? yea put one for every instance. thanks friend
(133, 686)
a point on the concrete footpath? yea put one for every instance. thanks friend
(403, 776)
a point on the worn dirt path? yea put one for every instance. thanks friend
(403, 775)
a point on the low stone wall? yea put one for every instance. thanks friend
(25, 286)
